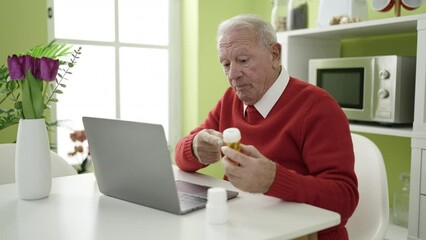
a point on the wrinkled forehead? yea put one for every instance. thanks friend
(236, 37)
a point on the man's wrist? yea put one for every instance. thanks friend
(194, 152)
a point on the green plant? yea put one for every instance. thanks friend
(25, 73)
(11, 116)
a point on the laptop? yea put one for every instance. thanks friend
(132, 162)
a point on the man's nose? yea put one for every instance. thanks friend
(234, 72)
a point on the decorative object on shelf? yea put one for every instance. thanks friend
(386, 5)
(32, 80)
(343, 20)
(411, 4)
(331, 12)
(297, 16)
(401, 201)
(279, 15)
(289, 15)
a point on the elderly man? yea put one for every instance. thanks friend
(296, 142)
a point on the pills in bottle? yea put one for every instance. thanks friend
(217, 206)
(232, 137)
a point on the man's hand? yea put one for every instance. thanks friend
(206, 146)
(248, 170)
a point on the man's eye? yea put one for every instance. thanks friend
(243, 61)
(225, 65)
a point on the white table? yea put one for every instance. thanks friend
(76, 210)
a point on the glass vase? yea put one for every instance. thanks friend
(279, 15)
(297, 16)
(401, 202)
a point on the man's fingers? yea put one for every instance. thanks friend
(212, 137)
(206, 146)
(250, 151)
(233, 155)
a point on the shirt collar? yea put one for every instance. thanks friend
(267, 102)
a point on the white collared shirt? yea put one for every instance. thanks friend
(267, 102)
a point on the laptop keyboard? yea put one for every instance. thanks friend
(191, 199)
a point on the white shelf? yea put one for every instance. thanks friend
(397, 25)
(383, 130)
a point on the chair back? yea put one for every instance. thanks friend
(371, 217)
(60, 167)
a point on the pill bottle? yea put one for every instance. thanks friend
(217, 206)
(232, 137)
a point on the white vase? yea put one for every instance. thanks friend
(32, 160)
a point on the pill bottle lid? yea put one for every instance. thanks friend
(216, 195)
(231, 135)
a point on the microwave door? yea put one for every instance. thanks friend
(350, 88)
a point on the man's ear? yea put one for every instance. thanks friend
(276, 54)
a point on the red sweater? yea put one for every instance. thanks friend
(307, 134)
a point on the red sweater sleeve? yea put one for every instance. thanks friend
(184, 156)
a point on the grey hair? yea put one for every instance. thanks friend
(264, 31)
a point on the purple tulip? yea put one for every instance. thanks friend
(48, 69)
(18, 66)
(42, 69)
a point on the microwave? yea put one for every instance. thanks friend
(370, 89)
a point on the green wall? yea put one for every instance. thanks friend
(23, 26)
(396, 153)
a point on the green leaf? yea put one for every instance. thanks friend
(18, 105)
(52, 50)
(58, 91)
(54, 100)
(32, 97)
(26, 99)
